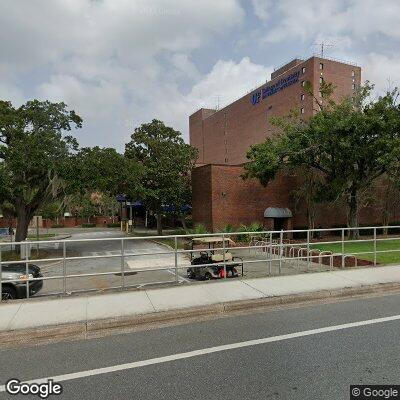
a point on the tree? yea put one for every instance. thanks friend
(350, 144)
(309, 192)
(34, 154)
(166, 161)
(102, 173)
(104, 170)
(387, 197)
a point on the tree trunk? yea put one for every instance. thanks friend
(23, 219)
(183, 221)
(385, 223)
(353, 215)
(159, 223)
(311, 219)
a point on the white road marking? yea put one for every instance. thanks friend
(181, 278)
(209, 350)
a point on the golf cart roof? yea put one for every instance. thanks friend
(212, 239)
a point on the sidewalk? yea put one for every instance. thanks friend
(43, 313)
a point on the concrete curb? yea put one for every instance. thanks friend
(98, 328)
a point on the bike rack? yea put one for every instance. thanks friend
(300, 255)
(350, 255)
(321, 255)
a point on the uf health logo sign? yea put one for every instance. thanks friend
(276, 87)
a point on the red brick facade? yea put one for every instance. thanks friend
(220, 195)
(224, 136)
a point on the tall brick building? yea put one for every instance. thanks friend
(223, 137)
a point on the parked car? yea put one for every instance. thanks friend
(17, 272)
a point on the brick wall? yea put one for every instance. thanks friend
(202, 195)
(224, 136)
(222, 197)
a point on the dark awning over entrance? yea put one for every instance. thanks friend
(275, 212)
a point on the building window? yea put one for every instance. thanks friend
(303, 70)
(302, 97)
(353, 86)
(321, 79)
(321, 66)
(226, 160)
(353, 73)
(320, 94)
(302, 110)
(303, 83)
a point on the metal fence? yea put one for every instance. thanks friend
(266, 249)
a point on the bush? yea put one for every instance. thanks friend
(243, 238)
(58, 226)
(179, 231)
(199, 229)
(394, 230)
(228, 228)
(301, 235)
(88, 225)
(369, 232)
(113, 225)
(189, 221)
(256, 227)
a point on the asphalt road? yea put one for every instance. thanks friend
(317, 365)
(108, 252)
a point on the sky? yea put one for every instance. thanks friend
(120, 63)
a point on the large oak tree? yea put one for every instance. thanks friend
(34, 153)
(166, 162)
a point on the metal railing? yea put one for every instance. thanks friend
(267, 248)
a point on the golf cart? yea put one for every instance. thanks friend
(215, 258)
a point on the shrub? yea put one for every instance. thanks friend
(113, 225)
(369, 232)
(88, 225)
(199, 229)
(301, 235)
(179, 231)
(243, 238)
(394, 230)
(256, 227)
(58, 226)
(253, 227)
(228, 228)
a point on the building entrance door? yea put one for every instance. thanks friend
(280, 224)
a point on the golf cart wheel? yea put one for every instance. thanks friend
(207, 276)
(8, 293)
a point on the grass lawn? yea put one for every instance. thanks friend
(44, 236)
(14, 256)
(359, 247)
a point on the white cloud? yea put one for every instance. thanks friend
(262, 8)
(117, 63)
(225, 82)
(228, 81)
(356, 19)
(382, 70)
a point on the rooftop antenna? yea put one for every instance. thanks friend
(323, 46)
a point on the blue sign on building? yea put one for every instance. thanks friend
(276, 87)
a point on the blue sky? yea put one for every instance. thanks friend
(119, 63)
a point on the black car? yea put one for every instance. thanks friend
(17, 274)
